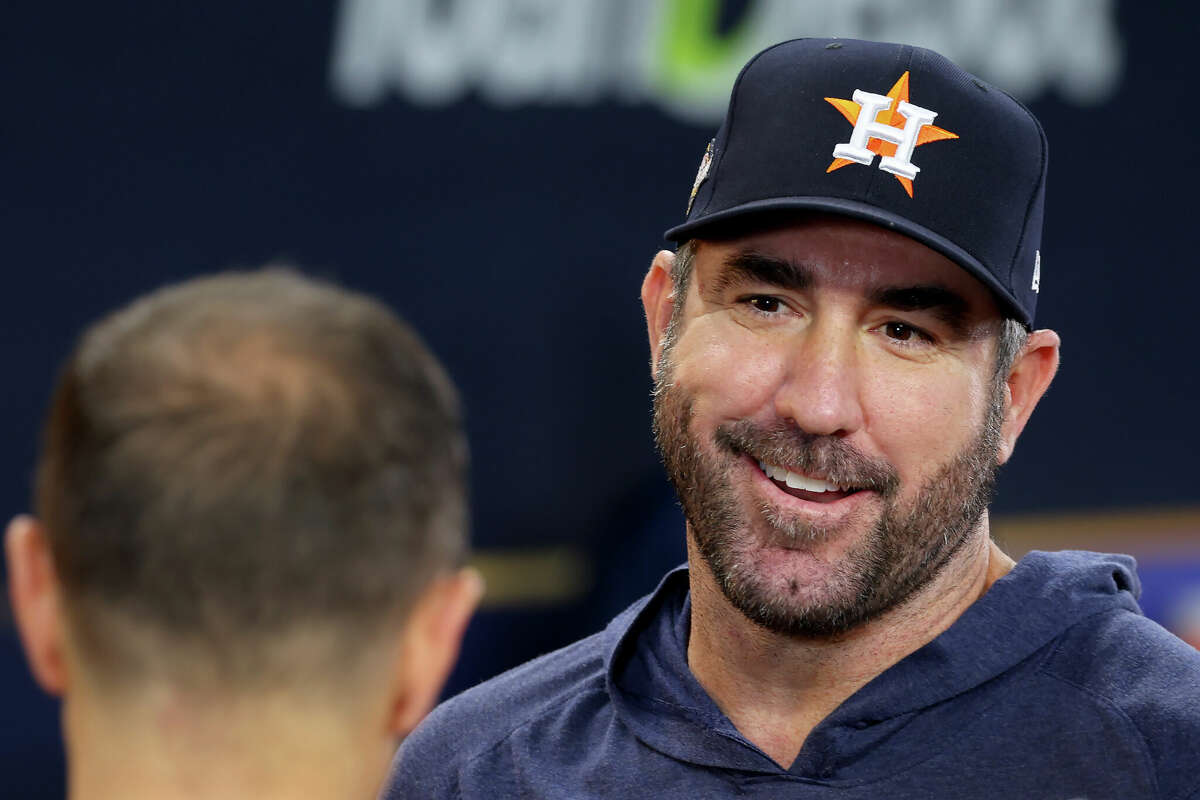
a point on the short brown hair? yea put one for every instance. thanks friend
(241, 458)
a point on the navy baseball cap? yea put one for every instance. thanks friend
(891, 134)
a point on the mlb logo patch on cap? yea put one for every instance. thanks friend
(891, 134)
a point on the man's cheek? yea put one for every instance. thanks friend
(744, 374)
(918, 427)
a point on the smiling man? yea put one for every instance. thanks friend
(843, 355)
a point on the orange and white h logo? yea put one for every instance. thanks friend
(877, 130)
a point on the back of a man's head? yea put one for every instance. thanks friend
(248, 484)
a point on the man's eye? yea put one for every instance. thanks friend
(903, 333)
(767, 305)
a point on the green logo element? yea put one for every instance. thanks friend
(694, 63)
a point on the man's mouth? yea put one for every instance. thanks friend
(805, 487)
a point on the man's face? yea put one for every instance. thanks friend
(827, 411)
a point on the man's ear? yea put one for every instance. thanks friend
(658, 300)
(1028, 380)
(34, 592)
(432, 637)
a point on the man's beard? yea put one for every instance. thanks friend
(908, 546)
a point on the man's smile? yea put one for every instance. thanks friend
(805, 487)
(816, 499)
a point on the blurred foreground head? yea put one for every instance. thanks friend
(251, 505)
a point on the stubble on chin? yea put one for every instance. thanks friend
(898, 552)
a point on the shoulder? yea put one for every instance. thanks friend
(1129, 659)
(544, 692)
(1147, 677)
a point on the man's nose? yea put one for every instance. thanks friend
(821, 389)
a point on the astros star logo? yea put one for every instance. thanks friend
(887, 125)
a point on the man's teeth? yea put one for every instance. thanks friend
(797, 481)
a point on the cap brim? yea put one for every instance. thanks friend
(864, 211)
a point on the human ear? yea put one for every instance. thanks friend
(432, 639)
(1028, 380)
(34, 594)
(658, 299)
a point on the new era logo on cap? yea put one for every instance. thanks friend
(800, 103)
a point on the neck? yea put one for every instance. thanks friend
(776, 689)
(161, 748)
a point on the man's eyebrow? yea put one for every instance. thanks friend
(947, 305)
(751, 266)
